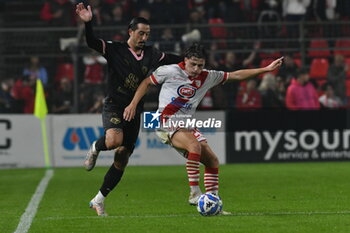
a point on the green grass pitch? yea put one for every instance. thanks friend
(293, 197)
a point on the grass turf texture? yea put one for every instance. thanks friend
(293, 197)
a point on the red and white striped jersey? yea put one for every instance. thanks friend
(181, 94)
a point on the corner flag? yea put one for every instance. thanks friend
(40, 111)
(40, 107)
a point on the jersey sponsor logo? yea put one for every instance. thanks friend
(186, 91)
(176, 102)
(115, 120)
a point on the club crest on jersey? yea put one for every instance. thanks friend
(144, 69)
(186, 91)
(197, 83)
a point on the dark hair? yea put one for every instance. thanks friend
(133, 23)
(196, 50)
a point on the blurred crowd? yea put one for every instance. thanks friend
(289, 87)
(114, 12)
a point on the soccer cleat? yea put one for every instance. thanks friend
(193, 198)
(91, 157)
(224, 213)
(99, 207)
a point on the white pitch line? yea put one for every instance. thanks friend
(293, 213)
(28, 215)
(238, 214)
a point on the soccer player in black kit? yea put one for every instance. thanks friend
(128, 64)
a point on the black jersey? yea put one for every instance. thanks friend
(126, 71)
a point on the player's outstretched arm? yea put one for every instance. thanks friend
(240, 75)
(130, 110)
(84, 14)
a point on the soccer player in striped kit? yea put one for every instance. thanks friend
(183, 87)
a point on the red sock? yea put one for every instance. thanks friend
(211, 180)
(192, 167)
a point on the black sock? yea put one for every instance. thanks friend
(111, 180)
(101, 144)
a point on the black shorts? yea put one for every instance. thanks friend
(114, 120)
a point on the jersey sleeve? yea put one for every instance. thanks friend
(93, 42)
(157, 55)
(170, 59)
(217, 77)
(160, 75)
(162, 58)
(107, 47)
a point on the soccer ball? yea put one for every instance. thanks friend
(209, 204)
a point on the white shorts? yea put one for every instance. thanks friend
(165, 136)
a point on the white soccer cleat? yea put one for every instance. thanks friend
(99, 207)
(193, 198)
(91, 157)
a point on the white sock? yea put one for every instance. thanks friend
(99, 198)
(195, 189)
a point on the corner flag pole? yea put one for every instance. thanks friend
(40, 111)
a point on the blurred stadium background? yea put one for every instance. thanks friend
(238, 34)
(44, 40)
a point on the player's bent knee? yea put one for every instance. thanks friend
(214, 161)
(112, 144)
(113, 139)
(195, 147)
